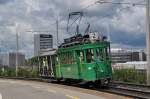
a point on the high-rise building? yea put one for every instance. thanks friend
(42, 42)
(9, 59)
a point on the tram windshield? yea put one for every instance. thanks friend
(103, 54)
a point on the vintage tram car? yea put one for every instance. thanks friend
(83, 58)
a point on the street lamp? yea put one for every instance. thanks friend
(148, 39)
(17, 48)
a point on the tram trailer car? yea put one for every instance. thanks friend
(88, 62)
(47, 64)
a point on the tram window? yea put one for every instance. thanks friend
(61, 58)
(89, 55)
(82, 56)
(107, 53)
(57, 59)
(99, 53)
(64, 58)
(72, 57)
(67, 58)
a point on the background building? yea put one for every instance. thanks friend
(42, 42)
(139, 56)
(9, 59)
(138, 65)
(119, 55)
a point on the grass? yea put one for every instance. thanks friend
(123, 75)
(130, 75)
(22, 72)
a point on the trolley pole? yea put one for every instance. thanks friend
(148, 39)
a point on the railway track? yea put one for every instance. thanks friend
(131, 90)
(124, 89)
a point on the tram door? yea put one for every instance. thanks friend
(102, 62)
(51, 65)
(80, 61)
(44, 66)
(47, 66)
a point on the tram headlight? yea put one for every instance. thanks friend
(89, 68)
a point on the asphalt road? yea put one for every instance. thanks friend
(17, 89)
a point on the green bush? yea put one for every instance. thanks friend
(130, 75)
(10, 72)
(0, 72)
(7, 72)
(22, 72)
(34, 73)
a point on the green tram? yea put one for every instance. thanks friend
(88, 61)
(83, 58)
(79, 58)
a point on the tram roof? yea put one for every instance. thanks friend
(48, 53)
(84, 46)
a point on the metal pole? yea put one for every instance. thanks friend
(57, 32)
(148, 39)
(39, 62)
(17, 53)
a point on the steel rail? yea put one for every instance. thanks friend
(135, 91)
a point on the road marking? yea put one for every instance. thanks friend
(73, 97)
(39, 86)
(53, 91)
(23, 84)
(12, 82)
(0, 96)
(36, 87)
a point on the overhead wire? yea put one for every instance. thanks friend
(110, 2)
(122, 3)
(119, 3)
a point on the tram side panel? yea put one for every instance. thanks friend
(91, 63)
(67, 66)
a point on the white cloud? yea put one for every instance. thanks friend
(42, 14)
(131, 20)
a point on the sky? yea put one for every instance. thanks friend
(125, 24)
